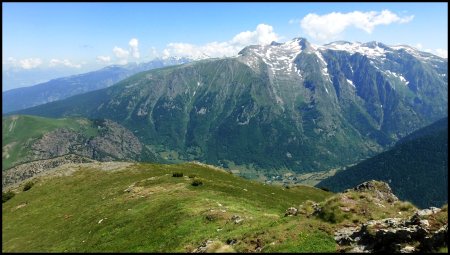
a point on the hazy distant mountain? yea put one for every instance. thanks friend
(289, 105)
(57, 89)
(16, 77)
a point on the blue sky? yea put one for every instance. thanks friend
(87, 36)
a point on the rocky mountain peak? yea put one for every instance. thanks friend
(374, 44)
(273, 43)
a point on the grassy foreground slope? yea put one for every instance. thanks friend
(142, 208)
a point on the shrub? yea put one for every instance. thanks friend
(211, 217)
(197, 182)
(28, 185)
(177, 174)
(307, 208)
(332, 214)
(7, 195)
(405, 206)
(192, 176)
(324, 189)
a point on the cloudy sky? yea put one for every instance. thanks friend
(80, 37)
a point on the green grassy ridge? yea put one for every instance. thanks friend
(19, 130)
(62, 213)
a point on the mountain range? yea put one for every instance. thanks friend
(273, 108)
(61, 88)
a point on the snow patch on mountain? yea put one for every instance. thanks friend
(351, 83)
(352, 48)
(398, 76)
(278, 57)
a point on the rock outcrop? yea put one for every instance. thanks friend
(24, 171)
(210, 246)
(291, 211)
(381, 189)
(99, 140)
(112, 142)
(415, 234)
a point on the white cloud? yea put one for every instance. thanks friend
(28, 63)
(443, 53)
(65, 62)
(330, 26)
(123, 55)
(120, 53)
(134, 47)
(10, 62)
(263, 34)
(103, 59)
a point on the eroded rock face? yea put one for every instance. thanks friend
(394, 235)
(112, 143)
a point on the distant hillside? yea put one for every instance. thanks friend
(29, 138)
(434, 127)
(57, 89)
(416, 168)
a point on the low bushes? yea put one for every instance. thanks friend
(197, 182)
(177, 174)
(7, 196)
(28, 185)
